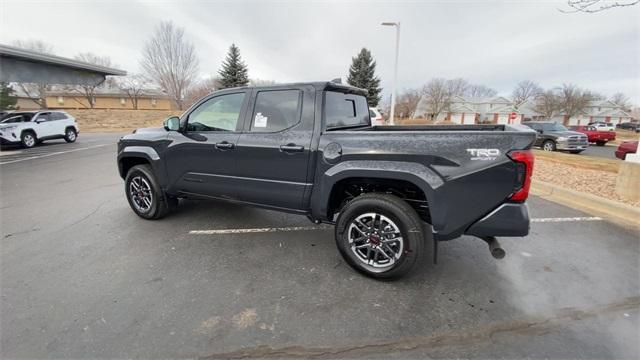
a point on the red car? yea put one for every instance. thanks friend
(600, 137)
(626, 147)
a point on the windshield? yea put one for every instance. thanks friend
(554, 127)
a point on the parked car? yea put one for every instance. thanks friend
(634, 126)
(600, 138)
(376, 117)
(626, 147)
(555, 137)
(387, 189)
(29, 128)
(601, 126)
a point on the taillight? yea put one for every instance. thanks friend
(524, 169)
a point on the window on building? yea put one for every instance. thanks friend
(60, 100)
(154, 102)
(276, 110)
(123, 101)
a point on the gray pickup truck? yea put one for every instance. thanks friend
(309, 149)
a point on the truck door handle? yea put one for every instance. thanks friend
(290, 148)
(225, 145)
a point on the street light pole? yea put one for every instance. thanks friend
(395, 71)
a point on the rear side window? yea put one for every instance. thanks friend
(276, 110)
(345, 110)
(57, 116)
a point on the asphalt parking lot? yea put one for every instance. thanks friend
(607, 151)
(83, 277)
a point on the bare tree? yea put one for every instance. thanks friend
(408, 102)
(458, 87)
(35, 92)
(547, 104)
(573, 100)
(171, 61)
(202, 89)
(479, 91)
(524, 91)
(437, 96)
(621, 100)
(594, 6)
(88, 91)
(134, 86)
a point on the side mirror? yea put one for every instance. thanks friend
(172, 123)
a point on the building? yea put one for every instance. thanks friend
(499, 110)
(105, 98)
(494, 110)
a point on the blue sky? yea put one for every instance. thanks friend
(495, 43)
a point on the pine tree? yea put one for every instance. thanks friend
(7, 100)
(362, 75)
(234, 71)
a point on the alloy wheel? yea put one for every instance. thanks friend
(141, 194)
(375, 240)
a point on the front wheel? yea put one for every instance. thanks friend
(70, 135)
(145, 196)
(28, 139)
(380, 235)
(549, 146)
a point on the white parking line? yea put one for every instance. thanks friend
(258, 230)
(567, 219)
(312, 228)
(53, 153)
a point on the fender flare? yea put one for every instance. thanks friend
(142, 152)
(418, 174)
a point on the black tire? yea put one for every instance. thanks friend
(576, 151)
(548, 145)
(28, 139)
(160, 204)
(404, 218)
(70, 135)
(601, 143)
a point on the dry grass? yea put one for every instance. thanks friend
(624, 135)
(579, 161)
(596, 182)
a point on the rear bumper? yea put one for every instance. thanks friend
(510, 219)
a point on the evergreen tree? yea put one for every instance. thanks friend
(234, 72)
(362, 75)
(7, 100)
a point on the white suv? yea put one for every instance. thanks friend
(33, 127)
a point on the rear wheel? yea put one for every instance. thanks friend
(70, 135)
(576, 151)
(145, 196)
(601, 143)
(380, 235)
(549, 145)
(28, 139)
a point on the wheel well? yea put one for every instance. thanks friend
(127, 163)
(28, 131)
(69, 127)
(348, 189)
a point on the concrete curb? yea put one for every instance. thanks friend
(586, 202)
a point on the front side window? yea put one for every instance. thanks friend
(345, 110)
(220, 113)
(276, 110)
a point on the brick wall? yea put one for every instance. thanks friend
(108, 120)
